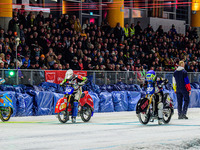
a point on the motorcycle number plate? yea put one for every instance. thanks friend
(62, 106)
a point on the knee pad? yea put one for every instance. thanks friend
(160, 106)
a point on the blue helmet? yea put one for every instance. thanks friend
(150, 76)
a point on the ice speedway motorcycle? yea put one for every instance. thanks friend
(65, 104)
(6, 105)
(147, 110)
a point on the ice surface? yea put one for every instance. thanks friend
(112, 131)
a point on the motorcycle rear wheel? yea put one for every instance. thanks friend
(144, 118)
(167, 116)
(86, 113)
(5, 115)
(63, 116)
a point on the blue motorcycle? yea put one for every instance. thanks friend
(147, 110)
(6, 105)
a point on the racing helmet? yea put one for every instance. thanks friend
(69, 74)
(150, 76)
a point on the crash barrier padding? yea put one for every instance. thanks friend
(41, 100)
(44, 102)
(133, 98)
(24, 104)
(120, 100)
(96, 100)
(19, 88)
(194, 98)
(106, 102)
(7, 88)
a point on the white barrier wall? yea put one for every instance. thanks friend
(166, 23)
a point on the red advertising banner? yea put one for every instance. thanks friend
(57, 76)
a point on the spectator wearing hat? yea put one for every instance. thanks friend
(55, 66)
(37, 65)
(6, 65)
(42, 60)
(19, 59)
(37, 58)
(25, 65)
(32, 65)
(27, 58)
(12, 65)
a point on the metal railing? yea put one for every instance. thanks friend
(35, 77)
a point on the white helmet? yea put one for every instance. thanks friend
(69, 74)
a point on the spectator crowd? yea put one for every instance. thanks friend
(62, 43)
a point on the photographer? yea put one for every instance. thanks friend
(51, 57)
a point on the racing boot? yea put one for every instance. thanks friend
(73, 119)
(74, 112)
(160, 113)
(160, 121)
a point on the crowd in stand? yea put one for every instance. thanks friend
(62, 43)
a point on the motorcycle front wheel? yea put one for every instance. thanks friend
(167, 114)
(86, 113)
(5, 113)
(143, 117)
(63, 116)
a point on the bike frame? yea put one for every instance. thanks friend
(150, 101)
(64, 103)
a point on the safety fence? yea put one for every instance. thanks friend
(35, 77)
(110, 91)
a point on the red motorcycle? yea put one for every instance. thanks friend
(65, 104)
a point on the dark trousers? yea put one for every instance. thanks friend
(182, 110)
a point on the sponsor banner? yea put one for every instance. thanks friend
(57, 76)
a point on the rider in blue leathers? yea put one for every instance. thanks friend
(155, 84)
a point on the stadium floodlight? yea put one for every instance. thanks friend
(11, 73)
